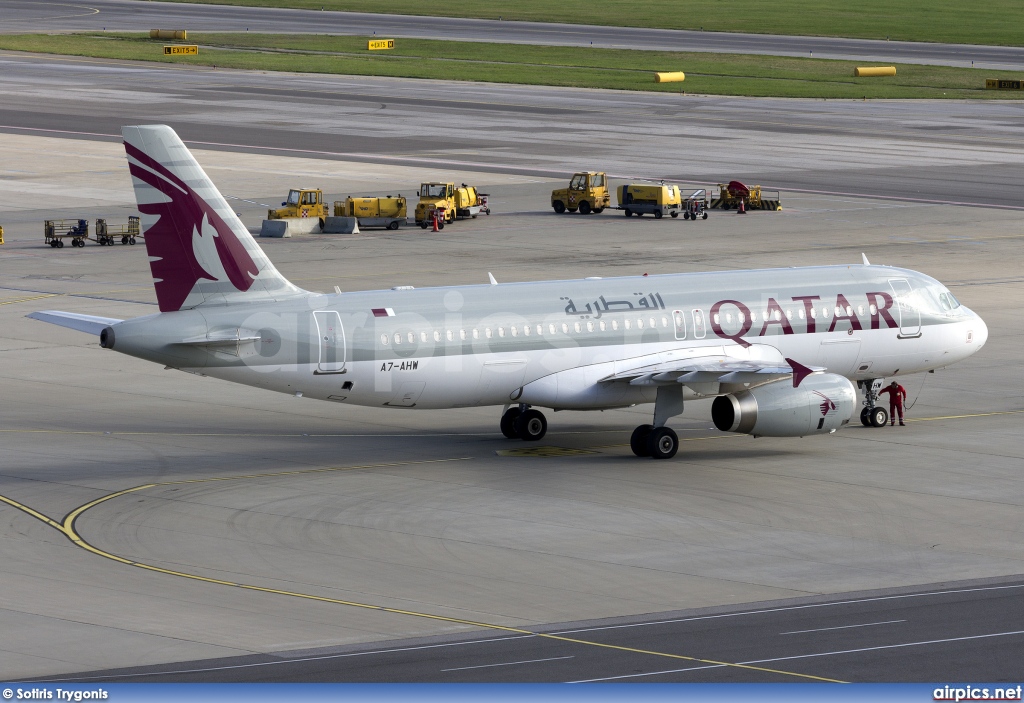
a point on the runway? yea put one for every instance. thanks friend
(920, 151)
(958, 632)
(218, 522)
(129, 15)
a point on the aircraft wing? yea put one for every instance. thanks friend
(73, 320)
(749, 367)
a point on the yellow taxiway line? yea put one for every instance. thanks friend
(67, 527)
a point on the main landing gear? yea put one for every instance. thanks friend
(525, 423)
(658, 441)
(872, 415)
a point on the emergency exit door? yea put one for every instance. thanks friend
(331, 336)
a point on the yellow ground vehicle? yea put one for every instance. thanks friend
(374, 212)
(587, 193)
(301, 202)
(463, 201)
(754, 197)
(640, 199)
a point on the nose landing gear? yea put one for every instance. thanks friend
(872, 415)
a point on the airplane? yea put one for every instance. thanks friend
(778, 350)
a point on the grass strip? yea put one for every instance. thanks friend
(998, 22)
(623, 69)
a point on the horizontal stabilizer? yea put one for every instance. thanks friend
(73, 320)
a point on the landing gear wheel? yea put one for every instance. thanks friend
(865, 417)
(558, 205)
(638, 441)
(531, 425)
(629, 213)
(657, 214)
(584, 208)
(879, 417)
(508, 423)
(662, 443)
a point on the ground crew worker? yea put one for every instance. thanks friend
(897, 394)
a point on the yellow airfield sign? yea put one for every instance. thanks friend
(378, 44)
(181, 50)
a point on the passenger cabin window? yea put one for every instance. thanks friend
(450, 335)
(680, 322)
(383, 340)
(551, 329)
(437, 335)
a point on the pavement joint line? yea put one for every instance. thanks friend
(67, 527)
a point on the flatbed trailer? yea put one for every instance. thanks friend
(56, 231)
(127, 232)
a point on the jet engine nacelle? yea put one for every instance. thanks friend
(821, 404)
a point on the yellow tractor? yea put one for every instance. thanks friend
(449, 201)
(587, 193)
(302, 202)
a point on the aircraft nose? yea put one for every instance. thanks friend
(980, 331)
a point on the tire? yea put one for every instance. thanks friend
(629, 213)
(657, 214)
(53, 244)
(124, 240)
(725, 206)
(598, 210)
(60, 243)
(686, 215)
(638, 441)
(865, 417)
(705, 216)
(879, 416)
(662, 443)
(393, 225)
(423, 224)
(639, 214)
(558, 205)
(508, 423)
(675, 214)
(131, 240)
(322, 224)
(584, 208)
(440, 225)
(531, 425)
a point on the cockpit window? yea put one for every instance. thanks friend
(953, 300)
(944, 301)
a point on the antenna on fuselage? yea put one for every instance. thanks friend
(865, 258)
(490, 277)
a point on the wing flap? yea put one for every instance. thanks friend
(92, 324)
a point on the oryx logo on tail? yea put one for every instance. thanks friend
(189, 242)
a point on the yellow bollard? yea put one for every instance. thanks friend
(1, 234)
(865, 71)
(669, 77)
(179, 34)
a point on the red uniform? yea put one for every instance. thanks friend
(897, 394)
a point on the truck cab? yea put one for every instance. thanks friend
(301, 202)
(587, 193)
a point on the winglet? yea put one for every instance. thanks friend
(800, 372)
(490, 277)
(865, 258)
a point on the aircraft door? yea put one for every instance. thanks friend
(910, 315)
(331, 336)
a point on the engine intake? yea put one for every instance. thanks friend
(821, 404)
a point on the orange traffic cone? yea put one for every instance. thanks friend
(742, 209)
(435, 222)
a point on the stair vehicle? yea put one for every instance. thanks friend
(388, 212)
(587, 193)
(457, 203)
(301, 202)
(642, 199)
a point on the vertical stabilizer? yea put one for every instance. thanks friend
(200, 253)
